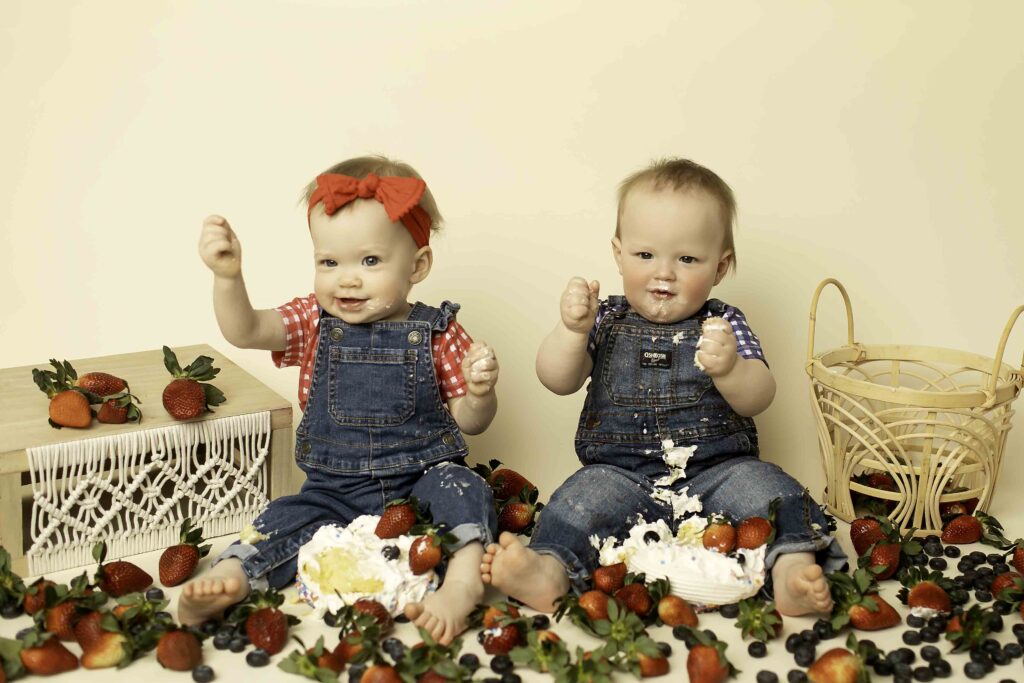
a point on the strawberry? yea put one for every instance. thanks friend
(925, 590)
(35, 595)
(1003, 581)
(543, 652)
(88, 629)
(866, 618)
(426, 552)
(595, 604)
(759, 619)
(69, 406)
(179, 650)
(316, 662)
(265, 624)
(865, 532)
(65, 605)
(673, 611)
(495, 612)
(45, 655)
(719, 535)
(505, 483)
(856, 601)
(885, 557)
(842, 665)
(101, 383)
(955, 508)
(380, 673)
(753, 532)
(179, 561)
(706, 662)
(652, 666)
(609, 578)
(119, 577)
(111, 648)
(962, 529)
(375, 610)
(517, 514)
(397, 519)
(501, 639)
(60, 620)
(968, 631)
(1018, 557)
(119, 409)
(636, 598)
(187, 396)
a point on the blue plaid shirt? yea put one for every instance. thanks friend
(747, 343)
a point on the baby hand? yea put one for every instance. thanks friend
(219, 248)
(480, 369)
(717, 350)
(579, 305)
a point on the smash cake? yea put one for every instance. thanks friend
(705, 578)
(340, 565)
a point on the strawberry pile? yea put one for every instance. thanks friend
(515, 497)
(72, 397)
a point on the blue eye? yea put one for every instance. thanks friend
(687, 259)
(370, 260)
(328, 262)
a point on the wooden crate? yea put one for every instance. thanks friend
(24, 429)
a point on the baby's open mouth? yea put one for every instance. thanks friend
(349, 303)
(661, 293)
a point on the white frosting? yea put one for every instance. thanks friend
(349, 559)
(249, 534)
(924, 612)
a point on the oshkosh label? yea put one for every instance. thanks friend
(656, 359)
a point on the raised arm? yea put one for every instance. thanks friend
(563, 363)
(745, 383)
(240, 324)
(475, 411)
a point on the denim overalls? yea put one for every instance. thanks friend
(373, 427)
(645, 388)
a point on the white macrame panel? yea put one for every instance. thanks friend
(134, 490)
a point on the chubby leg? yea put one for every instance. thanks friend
(800, 585)
(443, 613)
(535, 579)
(209, 594)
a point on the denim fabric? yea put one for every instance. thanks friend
(645, 388)
(374, 425)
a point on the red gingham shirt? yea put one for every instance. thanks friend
(301, 318)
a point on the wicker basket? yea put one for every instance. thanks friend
(934, 420)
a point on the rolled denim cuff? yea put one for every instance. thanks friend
(244, 552)
(828, 554)
(468, 533)
(574, 569)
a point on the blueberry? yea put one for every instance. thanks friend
(1018, 630)
(665, 649)
(236, 644)
(938, 622)
(390, 552)
(356, 671)
(221, 641)
(982, 595)
(796, 676)
(1014, 650)
(930, 653)
(792, 641)
(996, 622)
(652, 537)
(941, 668)
(959, 596)
(681, 632)
(202, 674)
(1000, 568)
(757, 649)
(883, 667)
(919, 560)
(823, 627)
(915, 621)
(974, 670)
(331, 619)
(511, 677)
(540, 622)
(501, 663)
(163, 615)
(257, 657)
(951, 551)
(902, 670)
(767, 677)
(209, 627)
(730, 611)
(401, 618)
(930, 634)
(977, 557)
(903, 655)
(154, 595)
(994, 558)
(1002, 607)
(1001, 658)
(470, 661)
(11, 610)
(938, 564)
(912, 638)
(804, 654)
(965, 564)
(809, 636)
(923, 673)
(986, 571)
(932, 549)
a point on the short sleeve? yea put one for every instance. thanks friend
(450, 347)
(301, 317)
(747, 343)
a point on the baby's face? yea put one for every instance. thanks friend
(669, 251)
(365, 264)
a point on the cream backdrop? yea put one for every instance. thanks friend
(877, 142)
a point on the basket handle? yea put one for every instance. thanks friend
(814, 315)
(1002, 347)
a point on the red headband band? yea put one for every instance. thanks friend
(399, 195)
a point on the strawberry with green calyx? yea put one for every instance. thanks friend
(638, 655)
(753, 532)
(969, 630)
(638, 597)
(110, 647)
(43, 654)
(317, 662)
(759, 619)
(925, 590)
(69, 405)
(866, 531)
(400, 517)
(120, 409)
(544, 652)
(506, 483)
(188, 395)
(583, 610)
(503, 636)
(517, 515)
(870, 504)
(360, 635)
(487, 616)
(179, 650)
(178, 562)
(885, 557)
(119, 577)
(376, 610)
(719, 534)
(429, 661)
(65, 605)
(610, 578)
(855, 601)
(35, 595)
(844, 664)
(265, 625)
(963, 530)
(427, 551)
(585, 667)
(135, 608)
(706, 662)
(12, 588)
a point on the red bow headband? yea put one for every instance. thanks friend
(399, 195)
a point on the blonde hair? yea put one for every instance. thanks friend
(360, 167)
(682, 175)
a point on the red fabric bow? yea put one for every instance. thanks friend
(399, 195)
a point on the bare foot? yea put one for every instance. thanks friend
(443, 613)
(210, 593)
(800, 585)
(528, 576)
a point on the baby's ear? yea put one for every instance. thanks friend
(723, 266)
(422, 260)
